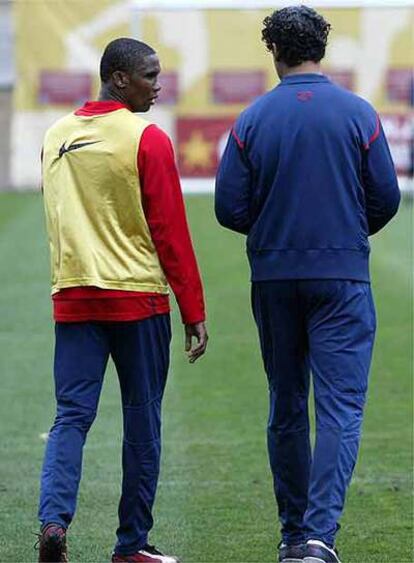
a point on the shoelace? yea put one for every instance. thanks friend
(39, 537)
(37, 542)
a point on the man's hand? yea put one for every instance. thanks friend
(199, 332)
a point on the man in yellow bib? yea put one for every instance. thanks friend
(118, 237)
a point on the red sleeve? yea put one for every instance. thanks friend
(165, 213)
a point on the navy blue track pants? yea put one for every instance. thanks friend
(325, 327)
(140, 351)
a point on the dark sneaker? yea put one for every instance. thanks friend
(291, 553)
(318, 552)
(52, 544)
(148, 554)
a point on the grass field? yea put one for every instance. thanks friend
(215, 501)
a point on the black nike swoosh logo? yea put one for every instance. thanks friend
(74, 146)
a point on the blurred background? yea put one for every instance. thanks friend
(215, 499)
(213, 62)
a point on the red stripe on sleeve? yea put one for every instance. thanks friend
(165, 213)
(237, 139)
(375, 133)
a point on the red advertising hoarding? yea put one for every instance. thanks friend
(237, 87)
(400, 84)
(64, 87)
(201, 141)
(169, 88)
(344, 78)
(399, 130)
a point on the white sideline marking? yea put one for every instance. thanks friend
(197, 185)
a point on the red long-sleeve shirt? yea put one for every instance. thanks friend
(165, 214)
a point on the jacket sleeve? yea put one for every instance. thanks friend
(382, 195)
(165, 214)
(233, 191)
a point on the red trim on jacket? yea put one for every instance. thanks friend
(375, 133)
(165, 213)
(237, 139)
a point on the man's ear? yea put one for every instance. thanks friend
(274, 51)
(120, 79)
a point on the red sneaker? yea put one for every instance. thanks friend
(52, 544)
(148, 554)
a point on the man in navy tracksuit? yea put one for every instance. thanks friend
(307, 175)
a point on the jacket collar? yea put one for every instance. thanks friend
(304, 78)
(99, 107)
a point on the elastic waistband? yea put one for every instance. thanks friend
(309, 264)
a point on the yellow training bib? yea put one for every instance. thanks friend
(97, 229)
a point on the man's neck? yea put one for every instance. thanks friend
(307, 67)
(108, 94)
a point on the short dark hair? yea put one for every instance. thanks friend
(123, 54)
(299, 33)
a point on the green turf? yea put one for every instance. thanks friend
(215, 501)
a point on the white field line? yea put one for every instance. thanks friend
(197, 185)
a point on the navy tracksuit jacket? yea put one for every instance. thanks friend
(307, 175)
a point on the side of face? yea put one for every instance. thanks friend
(141, 87)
